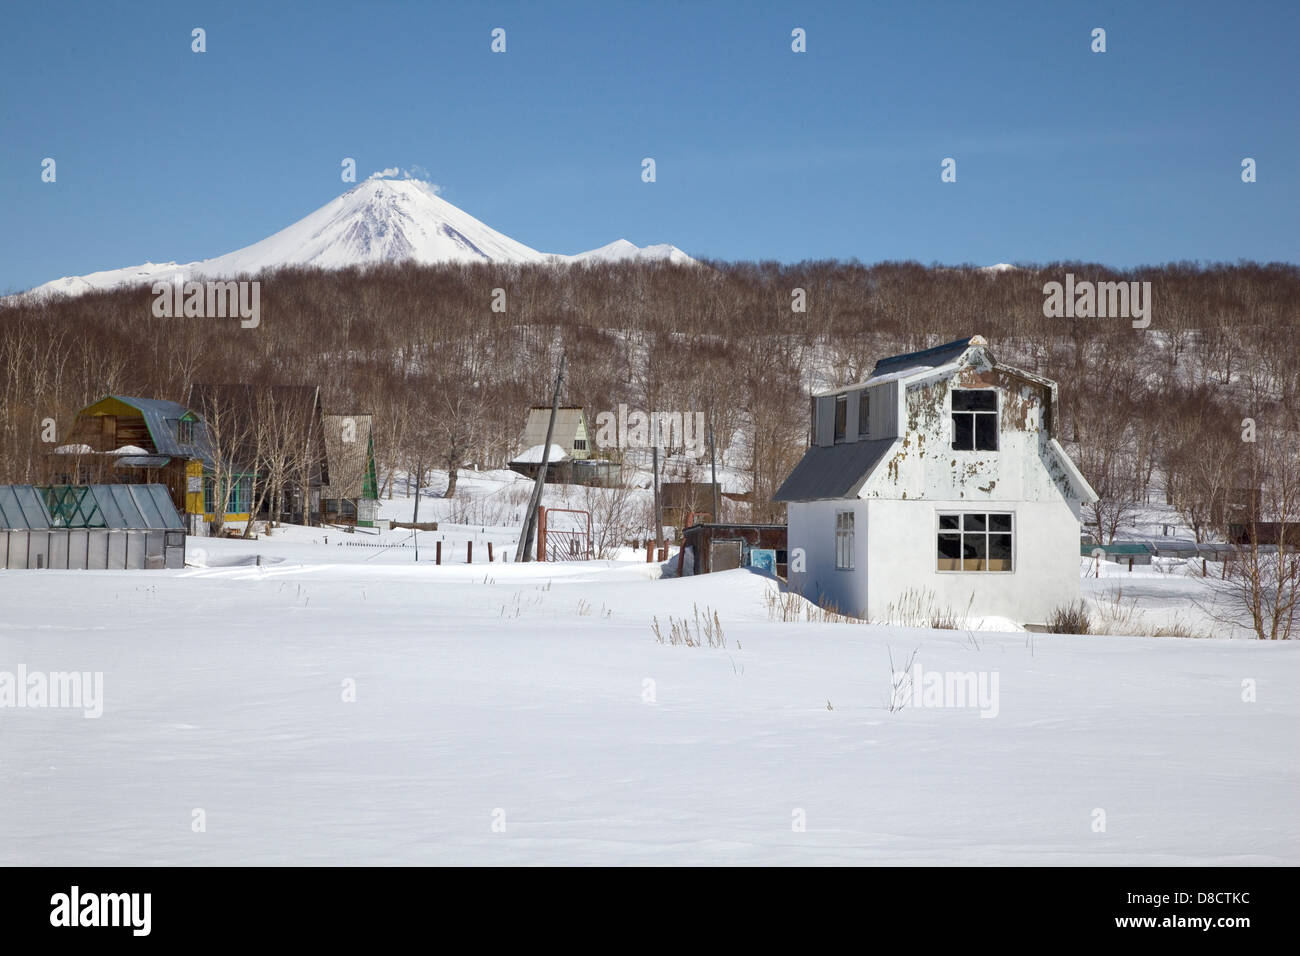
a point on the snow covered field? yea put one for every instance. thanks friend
(526, 714)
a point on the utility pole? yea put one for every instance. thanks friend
(525, 550)
(415, 514)
(659, 504)
(713, 466)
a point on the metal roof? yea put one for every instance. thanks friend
(159, 417)
(121, 507)
(833, 471)
(141, 461)
(568, 421)
(926, 358)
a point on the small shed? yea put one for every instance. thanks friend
(89, 527)
(1120, 553)
(708, 547)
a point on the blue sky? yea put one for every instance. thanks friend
(1128, 157)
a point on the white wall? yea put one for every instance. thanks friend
(1045, 559)
(896, 514)
(812, 528)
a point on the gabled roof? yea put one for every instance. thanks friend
(833, 471)
(349, 461)
(934, 357)
(568, 420)
(158, 415)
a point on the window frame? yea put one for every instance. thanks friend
(864, 413)
(975, 415)
(840, 433)
(961, 532)
(845, 539)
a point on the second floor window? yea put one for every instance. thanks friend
(185, 432)
(974, 420)
(841, 417)
(580, 444)
(864, 415)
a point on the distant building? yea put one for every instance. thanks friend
(121, 439)
(571, 430)
(713, 546)
(246, 423)
(686, 502)
(572, 459)
(352, 494)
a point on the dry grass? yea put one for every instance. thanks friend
(707, 631)
(918, 607)
(1070, 618)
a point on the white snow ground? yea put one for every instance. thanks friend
(518, 695)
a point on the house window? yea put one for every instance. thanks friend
(580, 444)
(974, 541)
(841, 417)
(241, 496)
(864, 414)
(974, 420)
(844, 540)
(185, 432)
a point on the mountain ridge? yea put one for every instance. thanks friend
(376, 221)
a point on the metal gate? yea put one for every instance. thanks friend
(569, 540)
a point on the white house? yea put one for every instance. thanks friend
(939, 475)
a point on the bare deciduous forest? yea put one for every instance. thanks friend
(1154, 414)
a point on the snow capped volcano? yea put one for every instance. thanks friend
(379, 220)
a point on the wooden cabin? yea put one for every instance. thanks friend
(122, 439)
(352, 494)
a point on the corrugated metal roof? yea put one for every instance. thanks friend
(926, 358)
(568, 420)
(160, 417)
(123, 507)
(833, 471)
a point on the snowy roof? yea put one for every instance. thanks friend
(935, 357)
(533, 456)
(570, 422)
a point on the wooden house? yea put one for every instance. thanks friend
(352, 494)
(248, 427)
(122, 439)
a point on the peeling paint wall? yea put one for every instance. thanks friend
(925, 476)
(925, 465)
